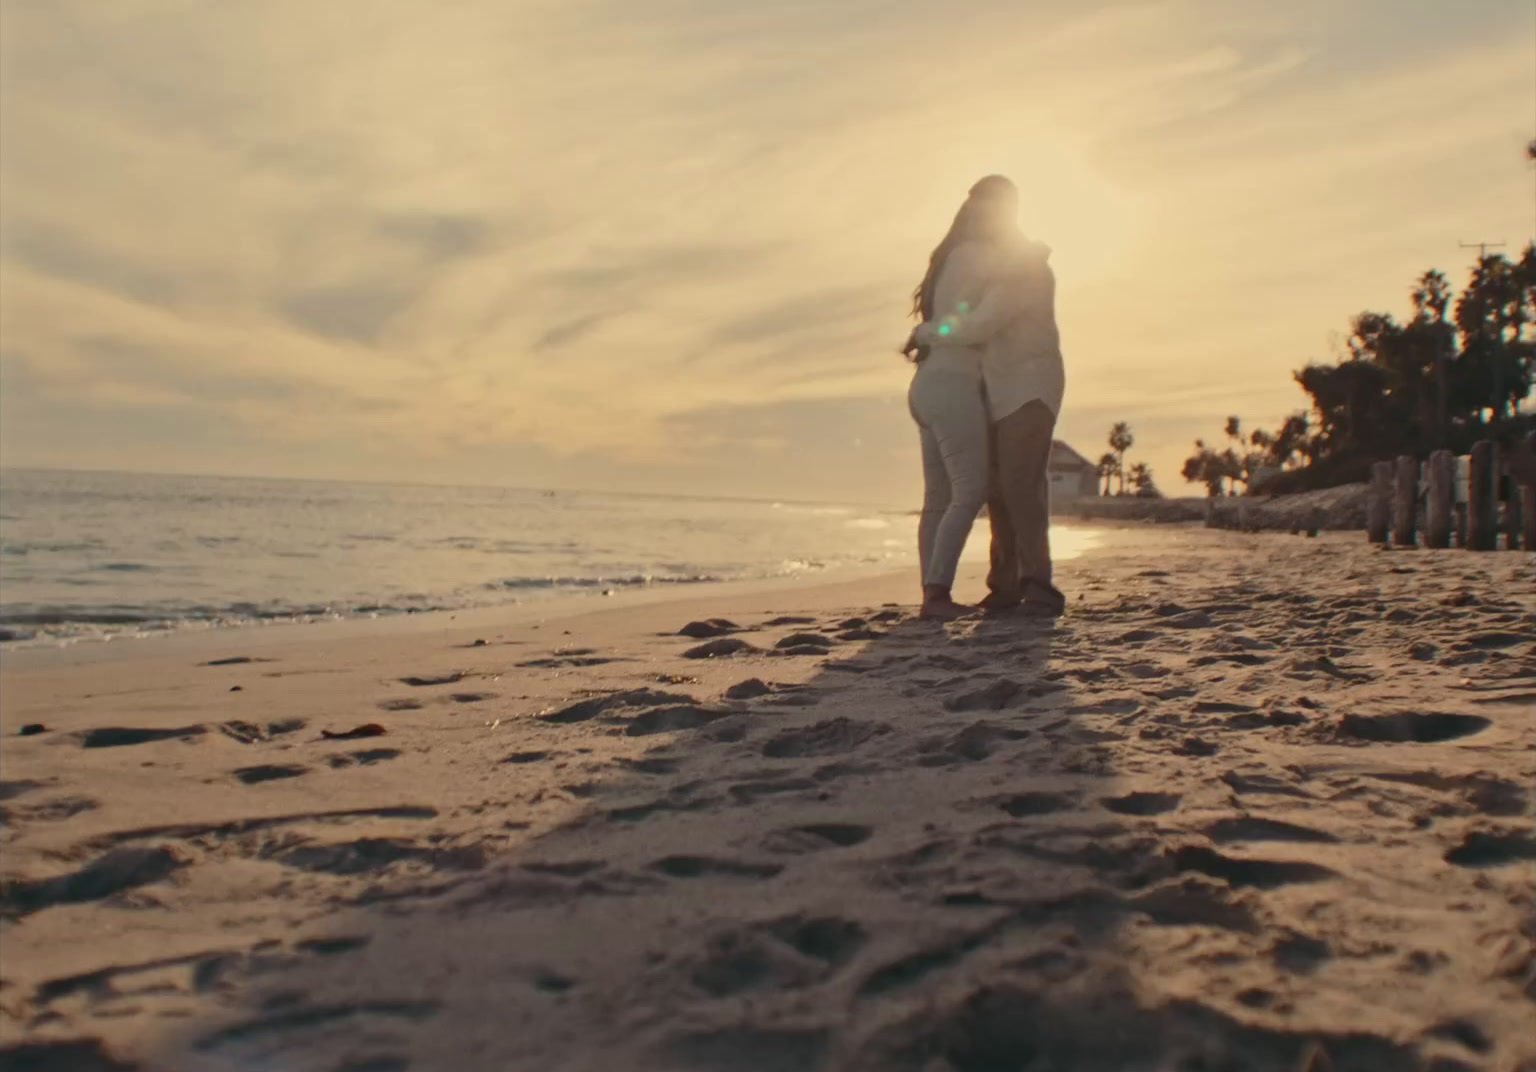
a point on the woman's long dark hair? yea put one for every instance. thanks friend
(967, 225)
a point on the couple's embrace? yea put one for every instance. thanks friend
(985, 396)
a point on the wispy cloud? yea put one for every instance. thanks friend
(566, 240)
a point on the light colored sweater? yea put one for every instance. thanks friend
(1014, 322)
(962, 282)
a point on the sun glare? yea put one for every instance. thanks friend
(1065, 201)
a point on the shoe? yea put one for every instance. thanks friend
(996, 604)
(1031, 609)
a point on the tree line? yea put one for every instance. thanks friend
(1455, 371)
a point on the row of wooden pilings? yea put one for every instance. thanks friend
(1460, 497)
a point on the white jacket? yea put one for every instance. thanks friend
(1015, 324)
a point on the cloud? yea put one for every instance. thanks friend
(55, 251)
(569, 331)
(570, 237)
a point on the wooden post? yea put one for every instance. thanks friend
(1481, 534)
(1379, 506)
(1512, 515)
(1495, 492)
(1440, 500)
(1528, 515)
(1525, 479)
(1405, 501)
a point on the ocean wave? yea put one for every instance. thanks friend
(635, 581)
(78, 547)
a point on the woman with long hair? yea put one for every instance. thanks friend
(1012, 326)
(947, 397)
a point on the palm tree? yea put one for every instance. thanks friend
(1141, 480)
(1431, 301)
(1120, 441)
(1107, 466)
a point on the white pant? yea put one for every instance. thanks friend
(951, 415)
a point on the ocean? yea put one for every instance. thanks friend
(94, 555)
(99, 554)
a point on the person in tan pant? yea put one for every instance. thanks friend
(1014, 325)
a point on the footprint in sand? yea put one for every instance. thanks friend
(284, 1029)
(1142, 803)
(1254, 828)
(593, 707)
(1408, 726)
(571, 659)
(674, 719)
(122, 736)
(269, 772)
(425, 681)
(251, 733)
(55, 810)
(117, 870)
(526, 757)
(83, 1055)
(1025, 805)
(678, 798)
(650, 765)
(973, 744)
(784, 954)
(365, 855)
(709, 867)
(1493, 848)
(330, 947)
(817, 837)
(994, 697)
(835, 736)
(749, 791)
(1241, 872)
(366, 758)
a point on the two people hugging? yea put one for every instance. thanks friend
(985, 393)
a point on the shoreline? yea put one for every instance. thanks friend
(1251, 798)
(284, 632)
(581, 604)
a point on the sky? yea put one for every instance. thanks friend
(668, 245)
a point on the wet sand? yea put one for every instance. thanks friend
(1257, 802)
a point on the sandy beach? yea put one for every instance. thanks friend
(1258, 802)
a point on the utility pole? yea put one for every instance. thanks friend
(1482, 248)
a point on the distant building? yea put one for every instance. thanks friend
(1072, 475)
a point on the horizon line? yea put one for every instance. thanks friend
(89, 471)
